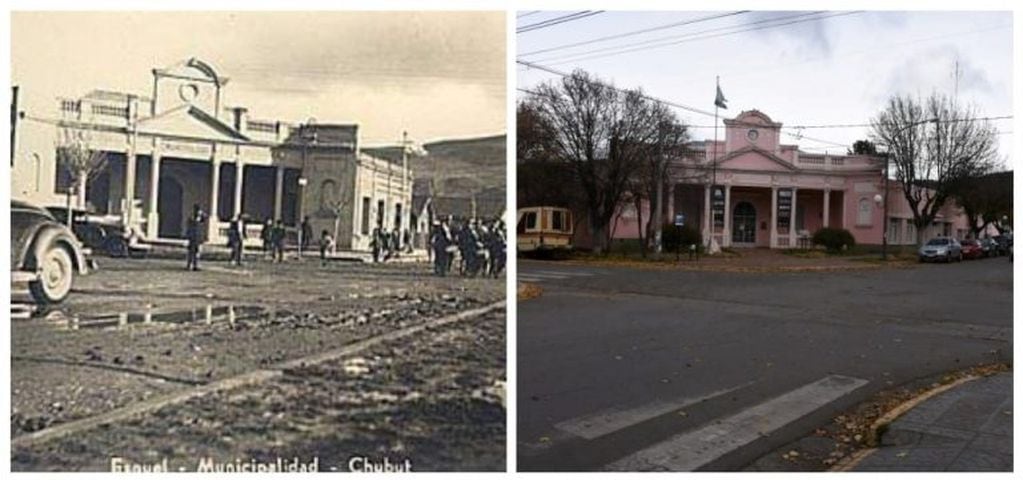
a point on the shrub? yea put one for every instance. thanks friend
(834, 239)
(672, 237)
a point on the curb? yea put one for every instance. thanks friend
(881, 424)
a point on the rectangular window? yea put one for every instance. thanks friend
(365, 215)
(893, 230)
(380, 213)
(397, 216)
(557, 223)
(568, 221)
(531, 221)
(63, 179)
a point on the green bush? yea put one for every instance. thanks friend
(672, 237)
(834, 239)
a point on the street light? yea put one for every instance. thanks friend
(302, 181)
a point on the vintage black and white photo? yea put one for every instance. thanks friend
(258, 241)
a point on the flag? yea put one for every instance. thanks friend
(720, 99)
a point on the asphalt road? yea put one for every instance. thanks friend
(623, 369)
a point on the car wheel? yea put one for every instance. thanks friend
(56, 273)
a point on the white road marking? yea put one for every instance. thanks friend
(690, 450)
(614, 419)
(561, 273)
(542, 275)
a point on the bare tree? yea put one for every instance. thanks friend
(80, 162)
(661, 163)
(604, 134)
(932, 147)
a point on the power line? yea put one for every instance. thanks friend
(798, 135)
(685, 35)
(526, 14)
(558, 20)
(633, 32)
(652, 44)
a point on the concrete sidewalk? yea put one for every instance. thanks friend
(968, 428)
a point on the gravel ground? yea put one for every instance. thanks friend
(60, 374)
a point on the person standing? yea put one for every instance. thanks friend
(277, 237)
(307, 235)
(326, 245)
(376, 242)
(236, 239)
(267, 236)
(439, 242)
(194, 234)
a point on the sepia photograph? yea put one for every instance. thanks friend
(258, 241)
(764, 241)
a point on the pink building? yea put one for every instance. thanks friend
(770, 194)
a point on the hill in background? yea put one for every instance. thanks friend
(460, 170)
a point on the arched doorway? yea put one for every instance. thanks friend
(744, 224)
(170, 208)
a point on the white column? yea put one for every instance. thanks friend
(278, 193)
(239, 179)
(726, 235)
(130, 167)
(214, 220)
(153, 215)
(774, 217)
(706, 215)
(793, 228)
(827, 208)
(670, 202)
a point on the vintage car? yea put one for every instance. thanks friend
(44, 253)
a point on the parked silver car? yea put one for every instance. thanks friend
(941, 248)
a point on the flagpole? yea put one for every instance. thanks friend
(714, 164)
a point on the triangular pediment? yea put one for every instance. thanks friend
(190, 122)
(752, 158)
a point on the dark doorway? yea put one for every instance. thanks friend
(170, 203)
(744, 224)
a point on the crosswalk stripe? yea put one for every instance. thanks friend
(614, 419)
(689, 451)
(564, 273)
(526, 278)
(546, 275)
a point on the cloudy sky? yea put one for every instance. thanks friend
(799, 68)
(436, 74)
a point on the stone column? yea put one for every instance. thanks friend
(130, 168)
(213, 223)
(774, 217)
(827, 208)
(707, 224)
(726, 235)
(792, 221)
(153, 214)
(239, 181)
(278, 193)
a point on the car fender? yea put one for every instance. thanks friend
(46, 234)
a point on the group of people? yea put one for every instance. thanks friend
(480, 246)
(389, 244)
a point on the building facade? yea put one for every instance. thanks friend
(751, 190)
(182, 147)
